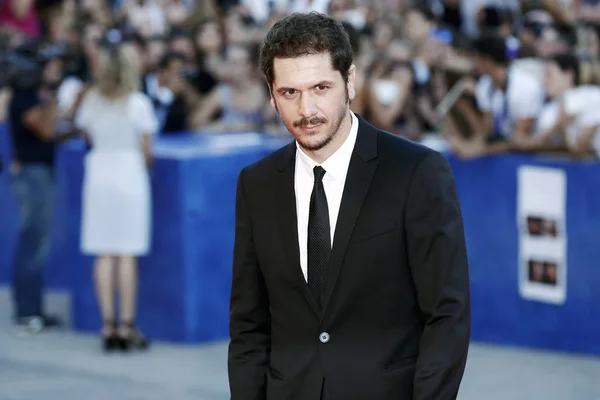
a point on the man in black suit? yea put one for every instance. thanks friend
(350, 278)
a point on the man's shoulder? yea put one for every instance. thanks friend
(410, 161)
(268, 164)
(397, 149)
(22, 100)
(390, 148)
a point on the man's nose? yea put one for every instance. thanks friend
(308, 107)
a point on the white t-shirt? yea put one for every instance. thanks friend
(524, 99)
(548, 117)
(531, 65)
(67, 93)
(582, 102)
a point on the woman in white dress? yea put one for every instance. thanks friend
(119, 123)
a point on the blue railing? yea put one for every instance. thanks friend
(184, 289)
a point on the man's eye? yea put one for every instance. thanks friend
(290, 92)
(322, 88)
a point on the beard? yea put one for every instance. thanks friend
(331, 133)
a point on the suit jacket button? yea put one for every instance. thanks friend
(324, 337)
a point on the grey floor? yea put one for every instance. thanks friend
(63, 365)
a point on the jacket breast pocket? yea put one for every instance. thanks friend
(275, 374)
(400, 365)
(373, 231)
(275, 385)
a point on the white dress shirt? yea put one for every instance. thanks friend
(336, 168)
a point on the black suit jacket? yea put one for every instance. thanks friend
(396, 314)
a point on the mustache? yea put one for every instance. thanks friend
(312, 121)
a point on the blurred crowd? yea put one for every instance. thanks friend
(485, 76)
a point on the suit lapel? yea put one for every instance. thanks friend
(288, 222)
(363, 164)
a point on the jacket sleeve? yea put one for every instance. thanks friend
(250, 324)
(438, 262)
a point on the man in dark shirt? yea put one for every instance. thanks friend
(32, 120)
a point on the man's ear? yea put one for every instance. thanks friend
(272, 100)
(351, 82)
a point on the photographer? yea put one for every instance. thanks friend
(32, 119)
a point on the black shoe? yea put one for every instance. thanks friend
(37, 323)
(111, 343)
(110, 339)
(133, 340)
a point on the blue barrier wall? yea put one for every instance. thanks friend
(488, 191)
(185, 280)
(184, 290)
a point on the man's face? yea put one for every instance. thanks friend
(209, 38)
(237, 63)
(311, 98)
(235, 31)
(551, 43)
(170, 76)
(185, 46)
(537, 271)
(91, 37)
(53, 72)
(417, 27)
(174, 68)
(142, 56)
(383, 35)
(156, 49)
(483, 65)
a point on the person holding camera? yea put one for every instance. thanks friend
(118, 121)
(32, 117)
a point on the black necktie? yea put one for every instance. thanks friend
(319, 239)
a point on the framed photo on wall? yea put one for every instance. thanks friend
(541, 221)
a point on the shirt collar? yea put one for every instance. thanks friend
(337, 164)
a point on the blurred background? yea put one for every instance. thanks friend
(506, 89)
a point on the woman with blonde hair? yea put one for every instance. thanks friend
(119, 122)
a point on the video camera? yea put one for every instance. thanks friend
(22, 67)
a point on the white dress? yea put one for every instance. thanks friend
(116, 188)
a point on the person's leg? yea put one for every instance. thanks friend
(33, 189)
(128, 286)
(104, 279)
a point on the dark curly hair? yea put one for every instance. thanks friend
(568, 62)
(300, 34)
